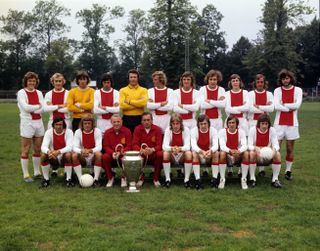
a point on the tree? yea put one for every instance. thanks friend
(60, 59)
(307, 45)
(132, 47)
(96, 56)
(276, 46)
(47, 25)
(235, 60)
(213, 38)
(173, 41)
(16, 27)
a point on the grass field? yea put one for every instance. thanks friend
(262, 218)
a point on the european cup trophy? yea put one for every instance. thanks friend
(132, 166)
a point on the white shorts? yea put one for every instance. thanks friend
(162, 121)
(287, 132)
(31, 128)
(216, 123)
(103, 124)
(68, 123)
(190, 123)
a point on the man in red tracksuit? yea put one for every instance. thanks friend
(116, 141)
(147, 138)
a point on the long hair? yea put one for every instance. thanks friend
(188, 74)
(233, 76)
(57, 75)
(213, 73)
(162, 77)
(87, 117)
(30, 75)
(105, 77)
(286, 73)
(258, 76)
(58, 119)
(231, 117)
(264, 118)
(201, 118)
(176, 117)
(81, 74)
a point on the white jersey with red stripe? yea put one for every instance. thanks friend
(191, 108)
(162, 120)
(47, 143)
(242, 140)
(262, 108)
(273, 139)
(78, 143)
(213, 137)
(281, 107)
(166, 145)
(219, 104)
(25, 108)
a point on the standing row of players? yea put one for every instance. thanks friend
(160, 100)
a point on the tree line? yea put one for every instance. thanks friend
(172, 36)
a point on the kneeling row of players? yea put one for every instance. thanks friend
(202, 145)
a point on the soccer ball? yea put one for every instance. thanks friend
(266, 153)
(86, 180)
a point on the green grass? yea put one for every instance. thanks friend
(263, 218)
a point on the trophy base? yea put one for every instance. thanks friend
(132, 190)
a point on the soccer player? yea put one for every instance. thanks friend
(233, 150)
(116, 141)
(133, 100)
(55, 101)
(147, 138)
(87, 145)
(56, 150)
(204, 144)
(187, 100)
(263, 135)
(287, 101)
(106, 102)
(160, 101)
(30, 104)
(261, 102)
(213, 98)
(237, 103)
(80, 99)
(176, 147)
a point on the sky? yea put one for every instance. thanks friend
(241, 18)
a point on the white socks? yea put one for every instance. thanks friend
(36, 164)
(24, 166)
(45, 171)
(77, 169)
(244, 170)
(68, 171)
(215, 170)
(261, 168)
(196, 170)
(187, 170)
(166, 169)
(252, 171)
(222, 170)
(276, 166)
(96, 170)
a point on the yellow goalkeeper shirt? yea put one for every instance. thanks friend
(137, 98)
(80, 101)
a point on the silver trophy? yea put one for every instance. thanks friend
(132, 166)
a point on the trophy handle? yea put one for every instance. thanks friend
(116, 149)
(143, 146)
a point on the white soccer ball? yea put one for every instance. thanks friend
(266, 153)
(86, 180)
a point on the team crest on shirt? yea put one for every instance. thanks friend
(123, 140)
(153, 139)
